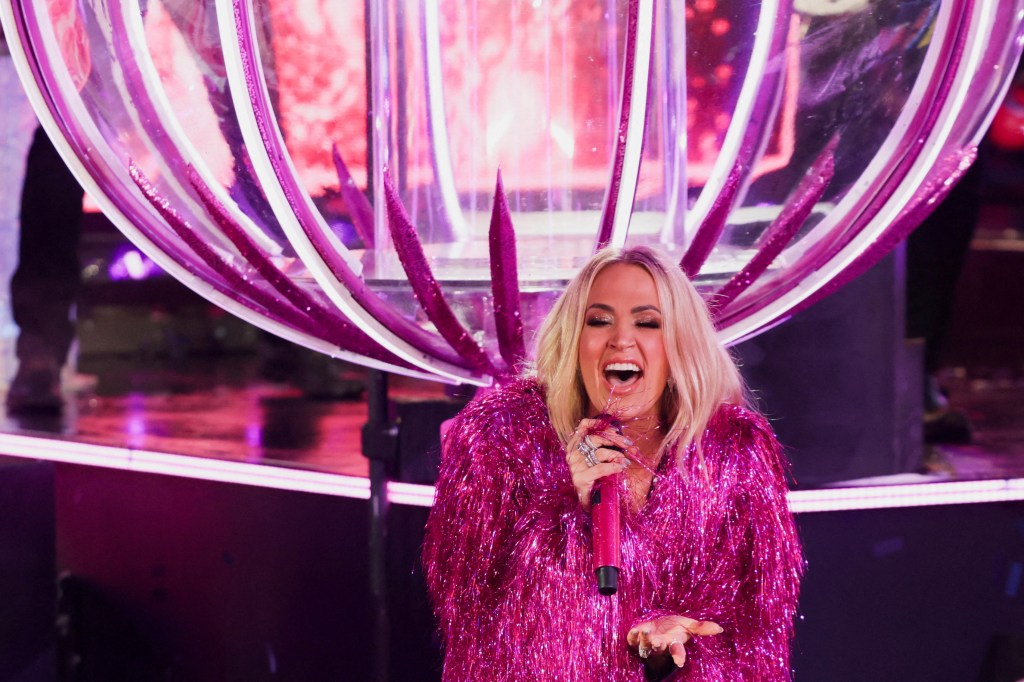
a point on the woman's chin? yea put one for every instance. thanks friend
(627, 410)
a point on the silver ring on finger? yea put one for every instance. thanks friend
(588, 450)
(644, 651)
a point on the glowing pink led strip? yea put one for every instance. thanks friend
(144, 461)
(907, 495)
(411, 494)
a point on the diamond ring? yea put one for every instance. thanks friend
(587, 449)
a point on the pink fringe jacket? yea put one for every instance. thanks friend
(508, 553)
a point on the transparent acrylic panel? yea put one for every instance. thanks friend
(885, 100)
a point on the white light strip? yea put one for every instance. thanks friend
(439, 121)
(143, 461)
(635, 125)
(412, 494)
(416, 495)
(740, 120)
(912, 495)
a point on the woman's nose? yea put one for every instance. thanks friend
(622, 337)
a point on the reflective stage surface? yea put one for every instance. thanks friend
(220, 408)
(216, 407)
(155, 382)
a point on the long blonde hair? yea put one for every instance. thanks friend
(702, 373)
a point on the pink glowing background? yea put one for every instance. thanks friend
(775, 149)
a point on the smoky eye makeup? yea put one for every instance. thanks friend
(598, 320)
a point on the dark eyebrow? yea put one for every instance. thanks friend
(638, 309)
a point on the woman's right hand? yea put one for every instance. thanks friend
(609, 459)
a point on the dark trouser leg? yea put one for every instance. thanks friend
(48, 276)
(936, 252)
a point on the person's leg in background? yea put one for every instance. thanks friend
(47, 280)
(936, 252)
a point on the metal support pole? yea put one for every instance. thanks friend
(380, 447)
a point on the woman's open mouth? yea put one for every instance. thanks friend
(622, 374)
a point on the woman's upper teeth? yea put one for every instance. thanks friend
(622, 367)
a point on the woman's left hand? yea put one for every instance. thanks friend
(666, 637)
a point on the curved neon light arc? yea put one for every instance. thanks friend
(808, 273)
(621, 191)
(865, 248)
(126, 76)
(112, 208)
(753, 140)
(854, 202)
(914, 177)
(167, 120)
(349, 294)
(438, 122)
(765, 35)
(330, 325)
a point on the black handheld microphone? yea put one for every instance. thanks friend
(604, 511)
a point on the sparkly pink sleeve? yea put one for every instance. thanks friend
(749, 562)
(486, 507)
(468, 528)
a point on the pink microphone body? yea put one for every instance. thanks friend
(604, 512)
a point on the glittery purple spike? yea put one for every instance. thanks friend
(334, 328)
(508, 320)
(241, 288)
(927, 198)
(424, 285)
(783, 228)
(611, 199)
(751, 148)
(421, 339)
(714, 223)
(358, 205)
(883, 186)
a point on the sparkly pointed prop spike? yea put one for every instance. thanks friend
(333, 327)
(425, 287)
(711, 229)
(951, 170)
(508, 321)
(782, 230)
(242, 288)
(358, 205)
